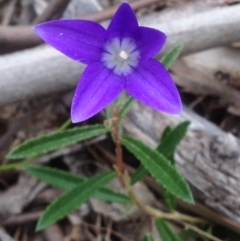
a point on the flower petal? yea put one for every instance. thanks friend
(80, 40)
(149, 41)
(97, 88)
(152, 85)
(124, 22)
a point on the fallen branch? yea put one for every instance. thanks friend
(213, 28)
(208, 157)
(14, 38)
(26, 37)
(202, 80)
(46, 71)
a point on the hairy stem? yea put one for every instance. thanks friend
(118, 148)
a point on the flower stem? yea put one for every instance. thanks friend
(174, 216)
(118, 148)
(119, 167)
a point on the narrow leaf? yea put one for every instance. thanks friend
(170, 199)
(50, 142)
(160, 168)
(172, 140)
(67, 181)
(17, 164)
(73, 199)
(165, 133)
(126, 107)
(139, 174)
(147, 237)
(165, 231)
(169, 58)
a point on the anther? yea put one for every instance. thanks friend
(123, 54)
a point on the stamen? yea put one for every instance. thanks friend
(123, 54)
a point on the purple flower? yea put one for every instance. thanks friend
(118, 58)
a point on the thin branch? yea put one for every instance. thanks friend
(13, 38)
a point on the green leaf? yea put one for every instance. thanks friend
(139, 174)
(171, 141)
(165, 231)
(169, 58)
(107, 194)
(54, 141)
(165, 133)
(73, 199)
(170, 199)
(147, 237)
(126, 107)
(17, 164)
(67, 181)
(160, 168)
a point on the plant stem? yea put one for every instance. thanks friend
(119, 167)
(159, 214)
(64, 126)
(118, 148)
(175, 216)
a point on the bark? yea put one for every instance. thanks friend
(36, 72)
(214, 73)
(213, 28)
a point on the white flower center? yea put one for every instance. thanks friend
(121, 55)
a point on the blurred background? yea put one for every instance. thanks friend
(36, 88)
